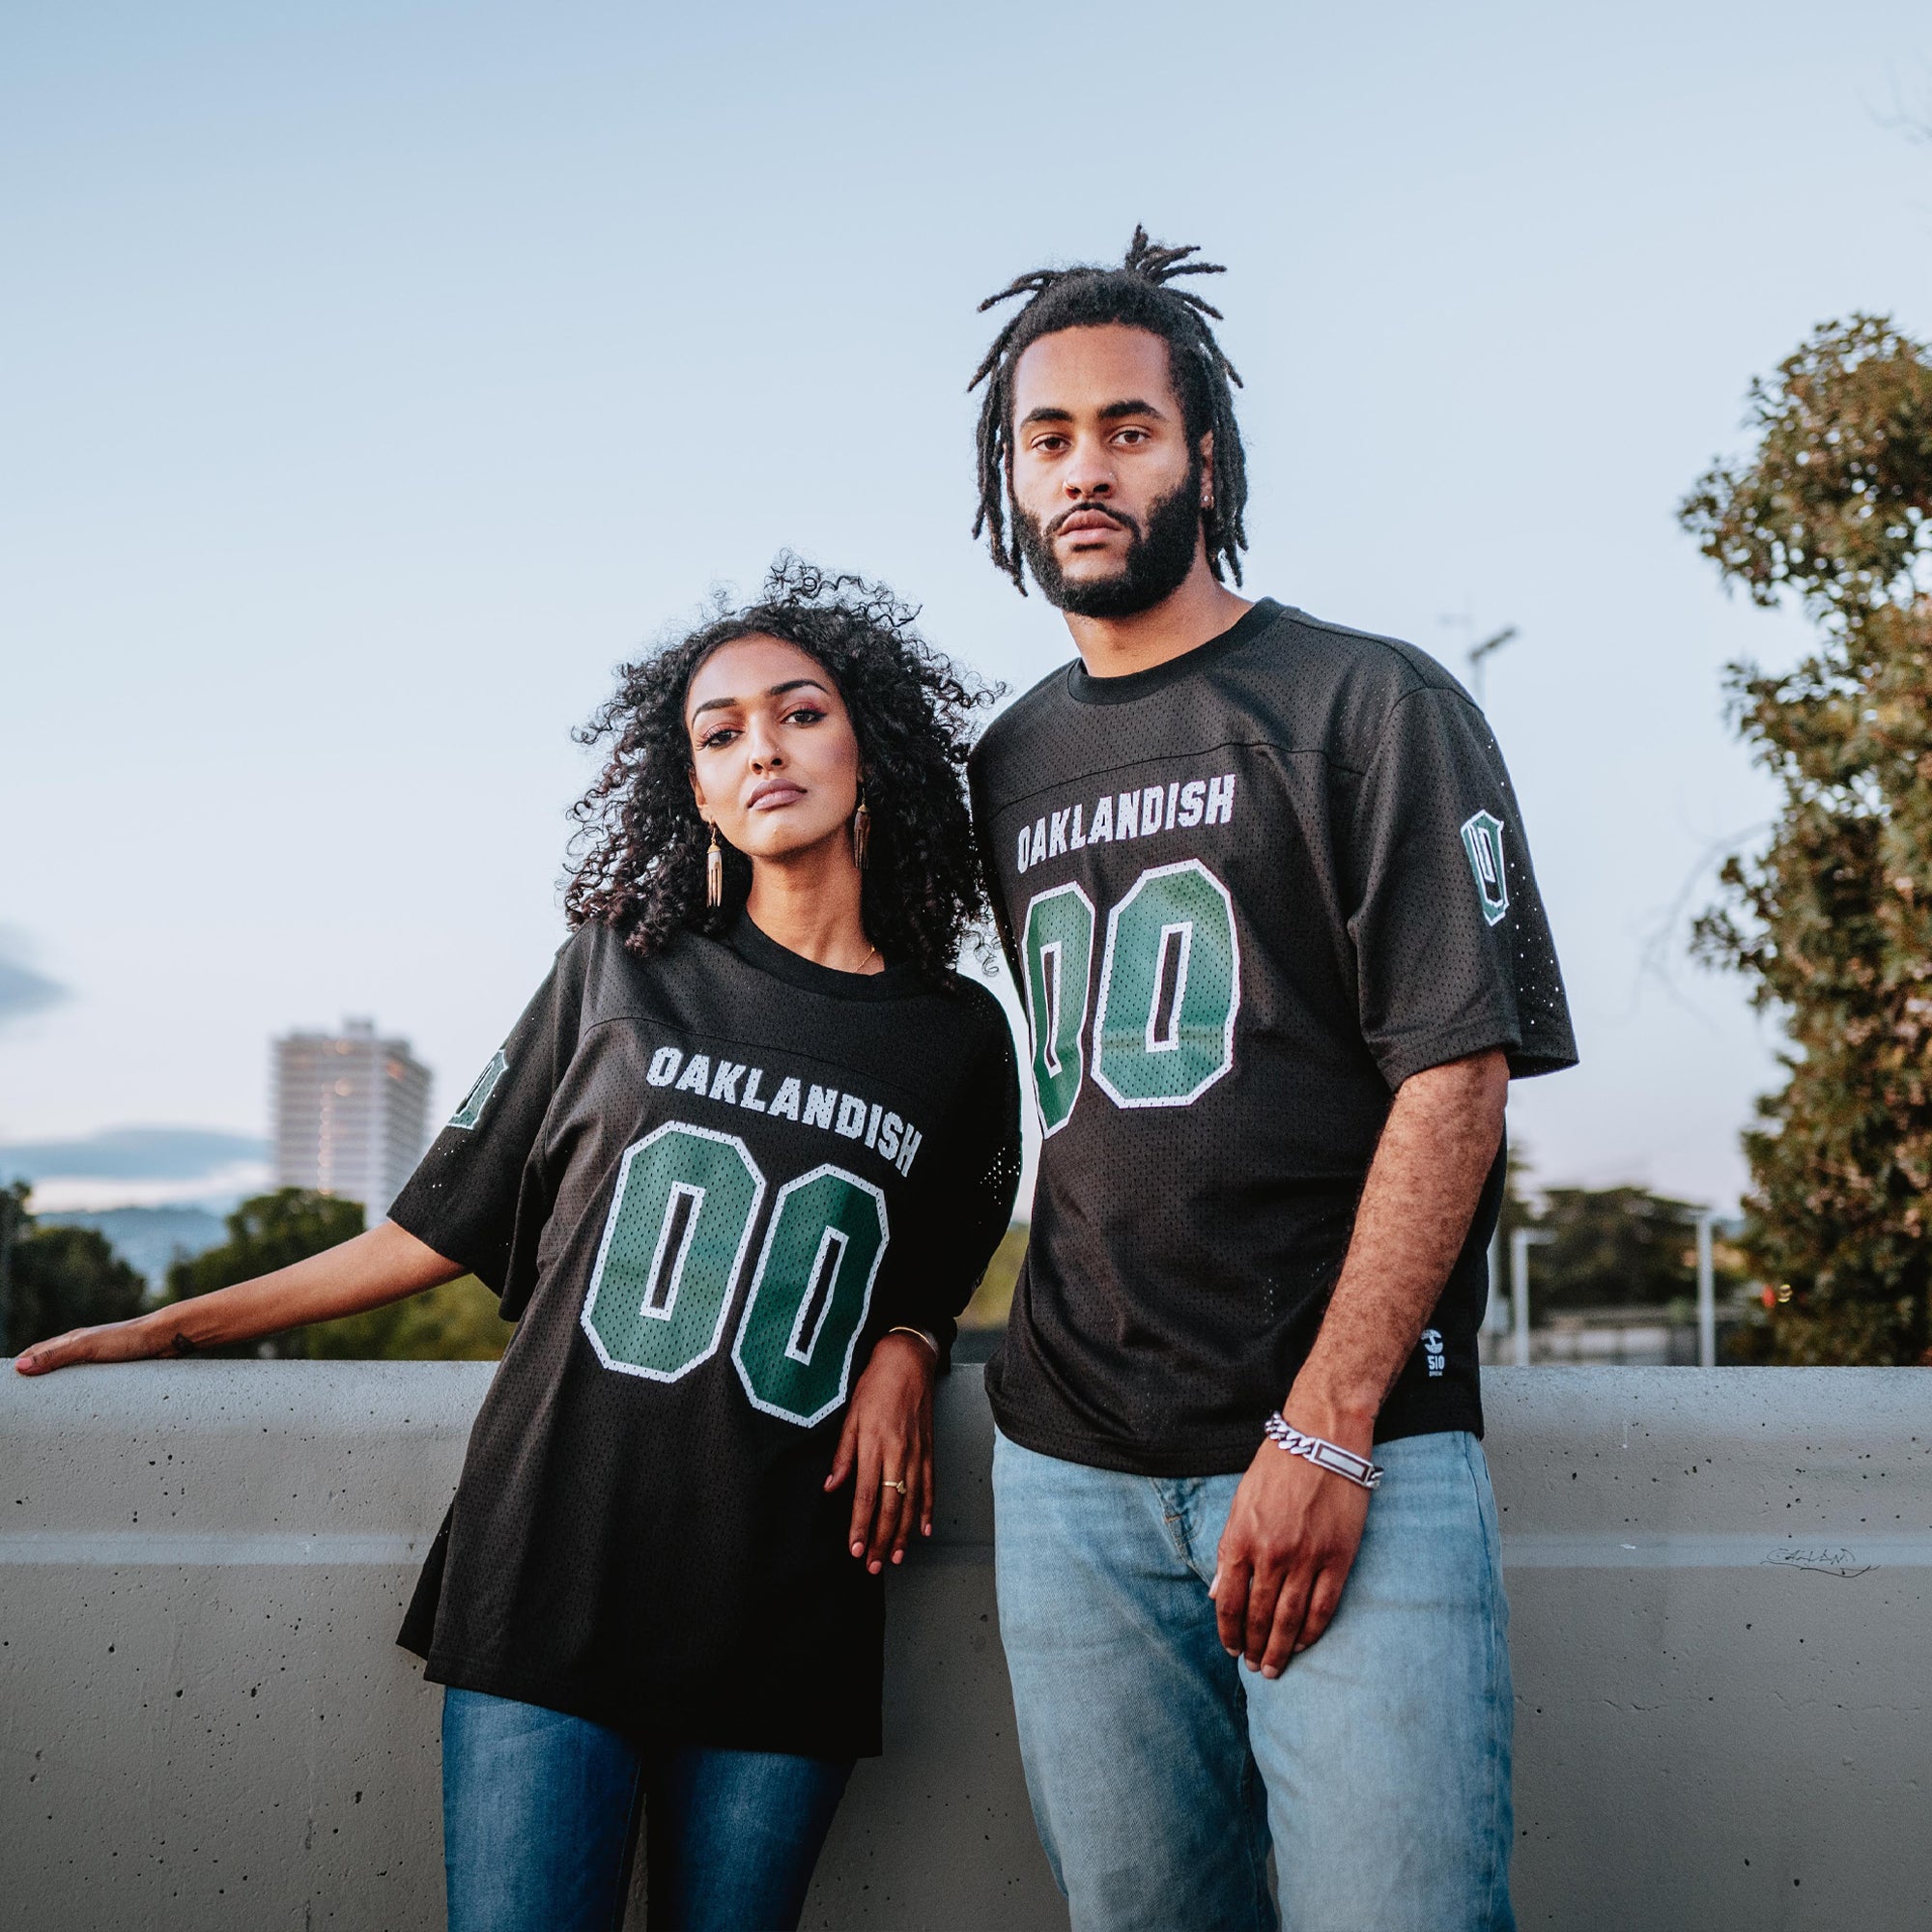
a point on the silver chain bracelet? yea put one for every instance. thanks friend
(1322, 1453)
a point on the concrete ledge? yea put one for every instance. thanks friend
(1720, 1583)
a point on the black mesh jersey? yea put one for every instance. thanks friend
(1246, 895)
(704, 1185)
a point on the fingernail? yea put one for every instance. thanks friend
(899, 1556)
(925, 1529)
(858, 1549)
(1272, 1671)
(876, 1566)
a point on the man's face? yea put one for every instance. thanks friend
(1107, 491)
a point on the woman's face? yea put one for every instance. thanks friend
(773, 758)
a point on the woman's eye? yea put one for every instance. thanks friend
(806, 714)
(713, 740)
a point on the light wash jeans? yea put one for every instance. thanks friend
(1160, 1768)
(541, 1811)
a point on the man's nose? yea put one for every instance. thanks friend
(1091, 473)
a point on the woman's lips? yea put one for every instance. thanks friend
(774, 793)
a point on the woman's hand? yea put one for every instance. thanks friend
(131, 1341)
(887, 1440)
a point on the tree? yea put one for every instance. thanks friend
(457, 1322)
(59, 1278)
(264, 1233)
(1615, 1247)
(1833, 922)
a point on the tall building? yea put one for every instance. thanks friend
(352, 1113)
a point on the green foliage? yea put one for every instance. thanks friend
(1614, 1247)
(993, 1299)
(1832, 923)
(59, 1278)
(266, 1233)
(457, 1322)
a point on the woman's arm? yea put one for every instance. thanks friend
(382, 1266)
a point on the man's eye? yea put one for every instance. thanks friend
(1049, 445)
(1132, 436)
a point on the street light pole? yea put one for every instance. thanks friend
(1481, 651)
(1520, 1244)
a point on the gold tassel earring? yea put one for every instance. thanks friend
(861, 830)
(714, 873)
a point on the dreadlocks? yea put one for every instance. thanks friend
(1136, 293)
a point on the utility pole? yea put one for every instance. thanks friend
(1520, 1244)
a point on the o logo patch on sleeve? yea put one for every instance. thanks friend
(472, 1110)
(1483, 841)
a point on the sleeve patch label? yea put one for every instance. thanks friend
(1482, 840)
(472, 1110)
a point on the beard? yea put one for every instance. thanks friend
(1156, 564)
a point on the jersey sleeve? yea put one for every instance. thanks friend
(1452, 952)
(480, 1186)
(967, 1200)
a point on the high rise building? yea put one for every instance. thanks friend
(352, 1113)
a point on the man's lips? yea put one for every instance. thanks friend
(1079, 522)
(773, 794)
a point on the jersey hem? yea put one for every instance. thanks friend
(1222, 1453)
(665, 1724)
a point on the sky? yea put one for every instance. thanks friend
(374, 378)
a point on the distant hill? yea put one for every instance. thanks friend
(147, 1238)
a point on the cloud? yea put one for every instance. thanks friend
(22, 991)
(133, 1154)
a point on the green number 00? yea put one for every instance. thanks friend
(810, 1295)
(673, 1248)
(1169, 989)
(1058, 949)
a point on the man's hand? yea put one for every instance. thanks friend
(1293, 1533)
(888, 1438)
(1285, 1555)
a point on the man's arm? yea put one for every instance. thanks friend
(1293, 1531)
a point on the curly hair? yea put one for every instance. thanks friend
(639, 851)
(1137, 294)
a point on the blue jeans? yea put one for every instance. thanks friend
(540, 1812)
(1378, 1764)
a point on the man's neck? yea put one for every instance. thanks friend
(1199, 609)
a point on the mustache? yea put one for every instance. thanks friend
(1107, 510)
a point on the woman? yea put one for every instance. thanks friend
(734, 1171)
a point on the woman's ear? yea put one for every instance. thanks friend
(697, 793)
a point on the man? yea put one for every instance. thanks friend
(1264, 887)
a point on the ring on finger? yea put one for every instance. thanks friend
(893, 1483)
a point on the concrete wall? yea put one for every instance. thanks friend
(1719, 1585)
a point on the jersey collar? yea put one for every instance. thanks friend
(1086, 689)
